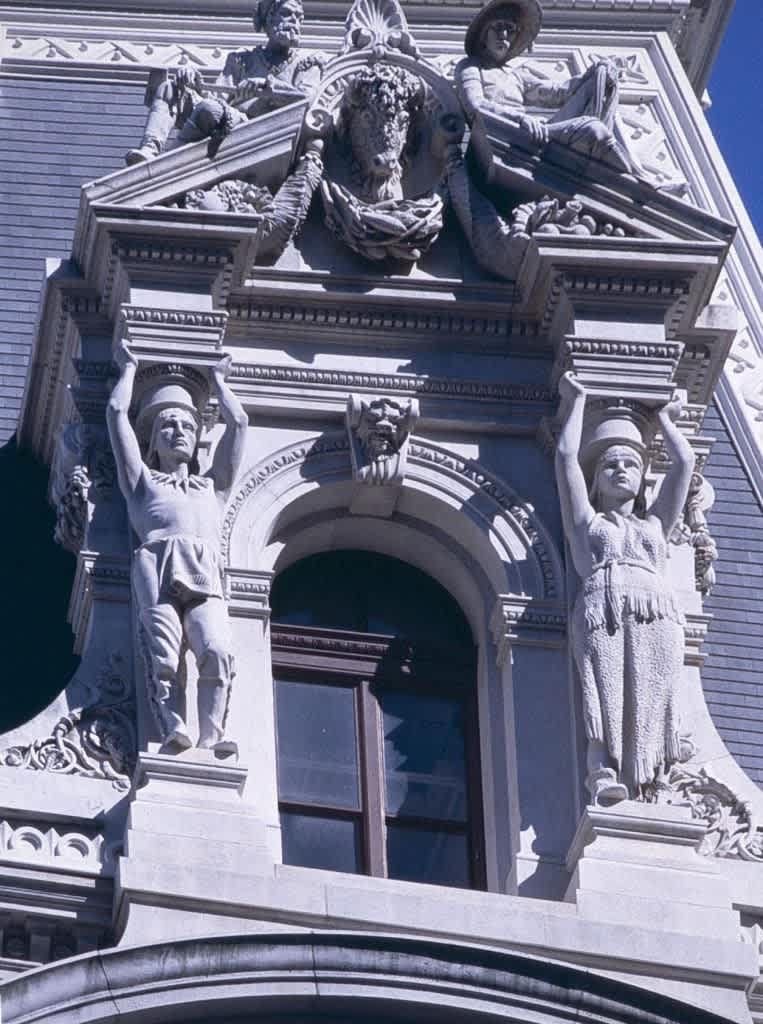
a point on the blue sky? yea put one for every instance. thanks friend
(736, 116)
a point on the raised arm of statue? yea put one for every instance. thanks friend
(577, 511)
(123, 440)
(230, 449)
(669, 503)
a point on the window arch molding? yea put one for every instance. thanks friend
(499, 532)
(470, 532)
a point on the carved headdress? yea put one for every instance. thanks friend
(612, 426)
(167, 387)
(528, 14)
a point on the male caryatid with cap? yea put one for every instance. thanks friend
(584, 106)
(253, 82)
(176, 512)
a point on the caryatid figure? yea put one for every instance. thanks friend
(584, 106)
(176, 512)
(627, 624)
(252, 82)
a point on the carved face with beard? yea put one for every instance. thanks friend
(283, 24)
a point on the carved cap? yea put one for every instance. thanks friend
(609, 427)
(168, 387)
(528, 13)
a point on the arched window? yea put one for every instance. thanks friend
(375, 678)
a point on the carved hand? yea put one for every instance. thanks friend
(672, 409)
(123, 357)
(221, 370)
(188, 78)
(535, 128)
(570, 388)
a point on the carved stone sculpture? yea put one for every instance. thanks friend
(283, 213)
(583, 108)
(379, 431)
(627, 626)
(176, 513)
(374, 219)
(252, 82)
(96, 740)
(82, 467)
(499, 243)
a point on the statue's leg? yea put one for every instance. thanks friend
(161, 634)
(209, 117)
(208, 635)
(163, 640)
(158, 124)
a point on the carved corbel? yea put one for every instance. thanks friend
(379, 431)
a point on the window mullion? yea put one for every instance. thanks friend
(372, 771)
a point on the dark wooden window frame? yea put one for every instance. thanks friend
(365, 661)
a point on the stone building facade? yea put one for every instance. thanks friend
(417, 641)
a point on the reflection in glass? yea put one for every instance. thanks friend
(310, 840)
(317, 744)
(417, 854)
(424, 763)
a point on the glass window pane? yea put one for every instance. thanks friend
(424, 764)
(424, 855)
(312, 841)
(317, 744)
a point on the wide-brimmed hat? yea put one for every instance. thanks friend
(529, 15)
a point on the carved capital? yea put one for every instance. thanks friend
(248, 593)
(518, 619)
(640, 371)
(191, 337)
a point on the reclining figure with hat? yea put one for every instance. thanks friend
(627, 625)
(252, 82)
(176, 513)
(584, 106)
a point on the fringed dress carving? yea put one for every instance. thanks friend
(628, 644)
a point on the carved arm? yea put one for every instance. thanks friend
(669, 503)
(230, 450)
(123, 440)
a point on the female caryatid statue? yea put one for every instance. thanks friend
(176, 513)
(627, 626)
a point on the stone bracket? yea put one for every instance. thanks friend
(519, 619)
(248, 593)
(97, 578)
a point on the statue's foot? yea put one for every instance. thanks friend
(219, 747)
(140, 155)
(176, 741)
(605, 789)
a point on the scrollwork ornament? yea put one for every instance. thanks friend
(733, 829)
(96, 740)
